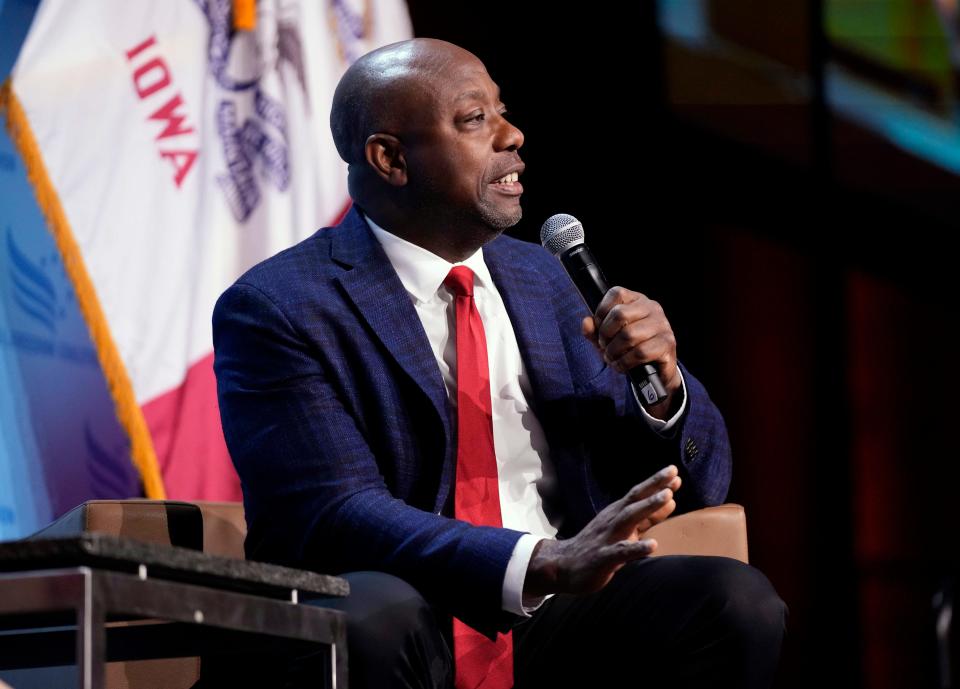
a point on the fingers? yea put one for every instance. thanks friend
(655, 518)
(589, 329)
(644, 513)
(647, 332)
(612, 538)
(627, 551)
(660, 480)
(631, 329)
(648, 503)
(618, 308)
(648, 340)
(587, 561)
(613, 297)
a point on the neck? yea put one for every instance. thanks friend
(453, 240)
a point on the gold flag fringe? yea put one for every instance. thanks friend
(121, 390)
(244, 15)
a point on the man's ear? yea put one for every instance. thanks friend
(384, 154)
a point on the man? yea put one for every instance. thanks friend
(412, 394)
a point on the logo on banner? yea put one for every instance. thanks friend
(250, 122)
(350, 26)
(44, 301)
(32, 291)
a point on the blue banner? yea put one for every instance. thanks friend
(60, 442)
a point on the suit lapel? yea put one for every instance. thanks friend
(373, 286)
(522, 288)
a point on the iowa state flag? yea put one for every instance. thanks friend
(172, 145)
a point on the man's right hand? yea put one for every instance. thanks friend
(586, 562)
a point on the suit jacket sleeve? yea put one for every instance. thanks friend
(608, 429)
(313, 492)
(698, 444)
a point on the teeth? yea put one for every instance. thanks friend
(506, 179)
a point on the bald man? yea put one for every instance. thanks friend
(425, 406)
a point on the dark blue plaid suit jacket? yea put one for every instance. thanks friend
(337, 419)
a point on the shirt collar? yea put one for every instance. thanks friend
(422, 272)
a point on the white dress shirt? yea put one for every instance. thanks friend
(527, 479)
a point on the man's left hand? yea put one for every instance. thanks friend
(630, 329)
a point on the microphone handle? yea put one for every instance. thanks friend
(582, 268)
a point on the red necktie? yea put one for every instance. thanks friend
(480, 663)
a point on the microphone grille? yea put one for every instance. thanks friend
(560, 232)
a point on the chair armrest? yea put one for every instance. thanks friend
(217, 528)
(720, 530)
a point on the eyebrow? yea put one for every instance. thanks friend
(475, 94)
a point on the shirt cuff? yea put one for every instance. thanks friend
(659, 425)
(513, 598)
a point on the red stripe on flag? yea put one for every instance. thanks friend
(185, 426)
(343, 213)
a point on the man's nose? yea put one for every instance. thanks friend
(509, 138)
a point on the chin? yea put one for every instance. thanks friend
(500, 221)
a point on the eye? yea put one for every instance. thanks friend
(476, 117)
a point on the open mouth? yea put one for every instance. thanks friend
(508, 184)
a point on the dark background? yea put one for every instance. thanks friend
(805, 265)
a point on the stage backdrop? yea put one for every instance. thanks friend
(170, 146)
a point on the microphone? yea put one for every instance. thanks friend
(562, 236)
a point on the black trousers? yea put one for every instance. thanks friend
(676, 621)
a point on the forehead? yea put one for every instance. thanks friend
(461, 79)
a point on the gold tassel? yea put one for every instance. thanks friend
(244, 15)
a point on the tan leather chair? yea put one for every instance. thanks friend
(720, 531)
(213, 527)
(219, 528)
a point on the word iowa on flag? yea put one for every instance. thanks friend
(152, 83)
